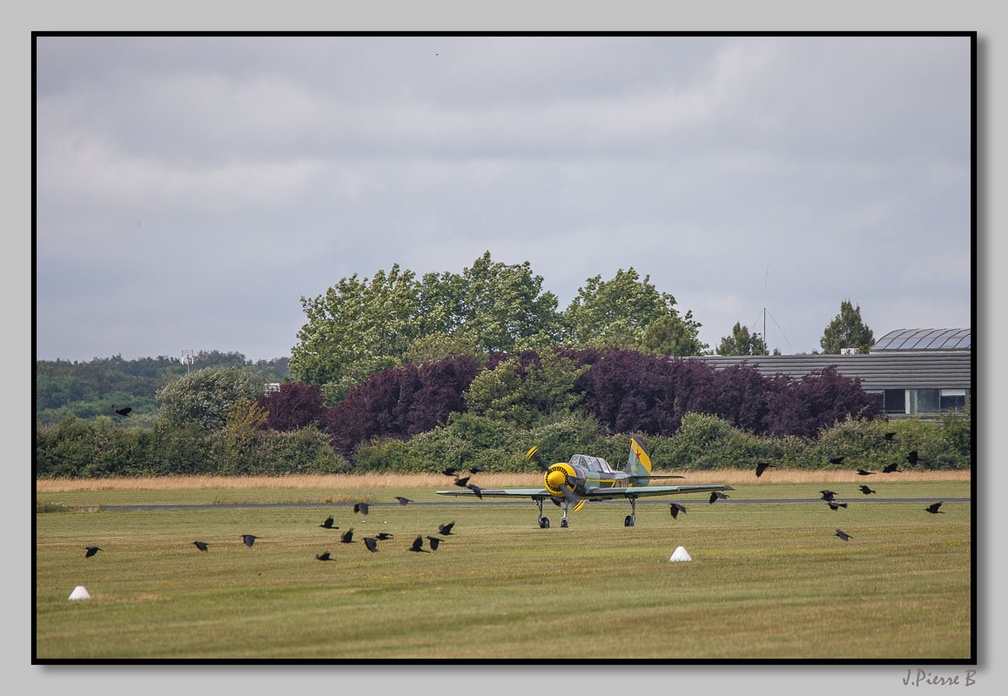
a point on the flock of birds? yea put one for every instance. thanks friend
(347, 537)
(827, 495)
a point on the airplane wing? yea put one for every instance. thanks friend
(598, 493)
(525, 492)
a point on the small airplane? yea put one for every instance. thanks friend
(570, 484)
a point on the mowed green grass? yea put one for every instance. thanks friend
(767, 581)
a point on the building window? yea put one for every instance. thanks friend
(952, 399)
(894, 401)
(924, 401)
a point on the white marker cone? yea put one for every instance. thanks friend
(80, 592)
(680, 554)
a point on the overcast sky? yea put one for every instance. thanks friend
(191, 190)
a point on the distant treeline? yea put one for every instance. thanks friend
(459, 412)
(90, 389)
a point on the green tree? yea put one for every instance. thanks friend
(355, 329)
(847, 330)
(741, 342)
(207, 396)
(627, 312)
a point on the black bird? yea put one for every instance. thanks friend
(889, 468)
(328, 524)
(834, 505)
(912, 457)
(889, 436)
(842, 534)
(362, 508)
(323, 556)
(347, 536)
(450, 471)
(418, 545)
(761, 467)
(866, 490)
(434, 541)
(249, 539)
(446, 529)
(371, 543)
(91, 551)
(403, 501)
(835, 460)
(933, 508)
(828, 495)
(715, 495)
(862, 472)
(201, 545)
(124, 411)
(675, 509)
(475, 489)
(476, 469)
(382, 536)
(461, 482)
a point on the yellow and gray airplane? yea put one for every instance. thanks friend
(582, 478)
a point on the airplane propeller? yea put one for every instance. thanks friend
(558, 478)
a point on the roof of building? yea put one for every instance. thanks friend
(925, 339)
(892, 369)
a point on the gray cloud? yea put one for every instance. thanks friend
(192, 189)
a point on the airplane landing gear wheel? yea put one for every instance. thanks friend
(628, 521)
(544, 523)
(563, 523)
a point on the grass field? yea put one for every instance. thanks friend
(768, 580)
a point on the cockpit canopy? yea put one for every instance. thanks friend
(592, 463)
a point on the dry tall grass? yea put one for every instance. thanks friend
(485, 480)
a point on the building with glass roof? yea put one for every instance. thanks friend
(915, 372)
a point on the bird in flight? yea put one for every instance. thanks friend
(761, 467)
(362, 508)
(382, 536)
(249, 539)
(124, 411)
(434, 541)
(933, 508)
(827, 494)
(834, 505)
(715, 496)
(889, 468)
(675, 509)
(347, 536)
(328, 524)
(912, 457)
(889, 436)
(475, 489)
(476, 469)
(863, 472)
(842, 534)
(866, 490)
(446, 529)
(324, 556)
(201, 545)
(461, 482)
(450, 471)
(371, 543)
(835, 460)
(418, 545)
(91, 551)
(402, 500)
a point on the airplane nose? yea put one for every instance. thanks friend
(555, 479)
